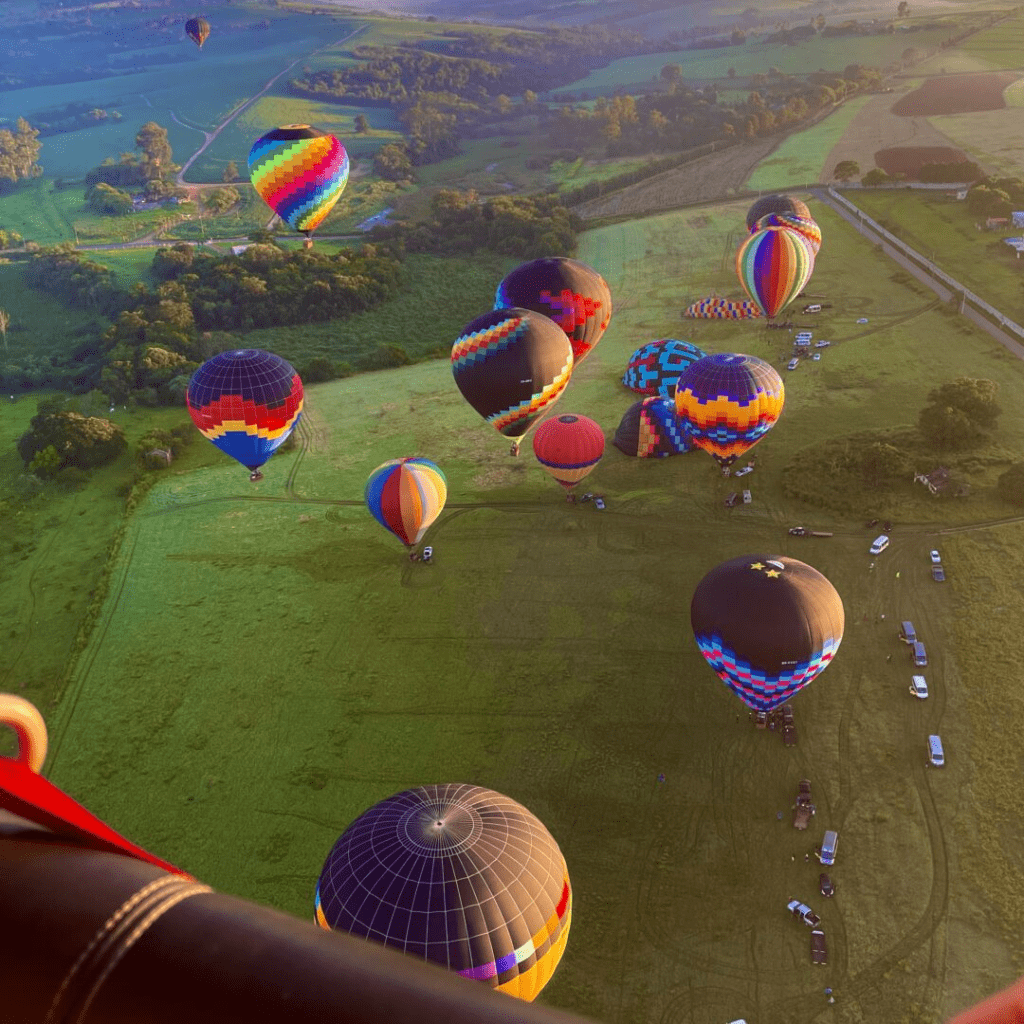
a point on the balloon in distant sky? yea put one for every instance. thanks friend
(574, 295)
(654, 368)
(775, 204)
(246, 402)
(801, 225)
(300, 172)
(774, 265)
(405, 496)
(198, 30)
(728, 402)
(650, 428)
(511, 365)
(457, 875)
(569, 447)
(767, 625)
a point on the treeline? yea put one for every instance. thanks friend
(19, 153)
(153, 162)
(73, 117)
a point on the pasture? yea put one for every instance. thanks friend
(267, 664)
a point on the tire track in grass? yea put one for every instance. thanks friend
(306, 435)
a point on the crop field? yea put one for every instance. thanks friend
(999, 46)
(803, 156)
(547, 653)
(994, 139)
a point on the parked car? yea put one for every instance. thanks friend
(826, 885)
(803, 335)
(814, 307)
(802, 912)
(919, 687)
(747, 498)
(935, 557)
(938, 573)
(936, 755)
(821, 343)
(819, 948)
(880, 544)
(599, 504)
(816, 357)
(863, 320)
(827, 851)
(744, 471)
(907, 632)
(587, 497)
(793, 363)
(798, 531)
(918, 655)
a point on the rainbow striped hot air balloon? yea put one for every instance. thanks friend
(300, 172)
(405, 496)
(775, 204)
(728, 402)
(246, 402)
(806, 226)
(458, 875)
(773, 266)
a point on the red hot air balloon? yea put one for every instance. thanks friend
(569, 447)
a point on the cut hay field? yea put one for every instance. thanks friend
(802, 157)
(267, 665)
(994, 139)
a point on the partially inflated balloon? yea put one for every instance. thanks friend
(574, 295)
(728, 402)
(511, 365)
(651, 429)
(246, 402)
(458, 875)
(774, 266)
(804, 226)
(767, 625)
(405, 496)
(198, 30)
(569, 447)
(775, 204)
(654, 368)
(714, 307)
(300, 172)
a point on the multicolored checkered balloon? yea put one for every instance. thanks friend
(300, 172)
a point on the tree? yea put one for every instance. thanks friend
(230, 172)
(5, 322)
(362, 126)
(946, 427)
(156, 151)
(881, 462)
(672, 76)
(902, 9)
(77, 440)
(876, 176)
(106, 199)
(318, 370)
(986, 201)
(1010, 484)
(731, 72)
(220, 200)
(392, 163)
(975, 396)
(845, 170)
(19, 151)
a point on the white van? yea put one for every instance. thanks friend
(919, 687)
(814, 307)
(828, 848)
(881, 543)
(936, 755)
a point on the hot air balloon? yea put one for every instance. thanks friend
(458, 875)
(728, 402)
(654, 368)
(246, 402)
(773, 266)
(714, 307)
(574, 295)
(511, 365)
(300, 172)
(767, 625)
(651, 429)
(197, 29)
(775, 204)
(405, 496)
(569, 447)
(804, 226)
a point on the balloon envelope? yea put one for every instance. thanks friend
(198, 30)
(727, 402)
(775, 204)
(714, 307)
(405, 496)
(572, 294)
(511, 365)
(773, 266)
(654, 368)
(767, 625)
(458, 875)
(300, 172)
(246, 402)
(569, 447)
(651, 429)
(804, 226)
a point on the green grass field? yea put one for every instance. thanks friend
(266, 666)
(801, 157)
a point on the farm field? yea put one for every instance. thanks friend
(946, 229)
(994, 139)
(347, 673)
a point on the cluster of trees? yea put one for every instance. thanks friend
(75, 280)
(19, 154)
(9, 239)
(105, 199)
(152, 163)
(994, 196)
(936, 172)
(960, 413)
(527, 227)
(72, 117)
(59, 440)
